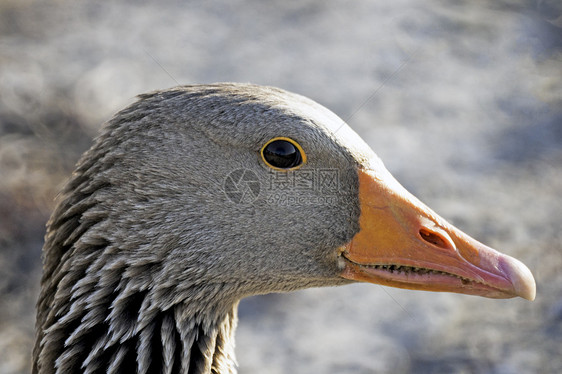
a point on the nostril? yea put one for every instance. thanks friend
(434, 238)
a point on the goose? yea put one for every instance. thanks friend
(195, 197)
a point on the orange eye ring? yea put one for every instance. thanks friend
(283, 154)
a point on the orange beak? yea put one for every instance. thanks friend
(402, 243)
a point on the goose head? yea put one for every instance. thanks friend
(195, 197)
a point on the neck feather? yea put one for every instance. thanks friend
(105, 308)
(173, 341)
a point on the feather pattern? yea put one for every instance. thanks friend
(145, 258)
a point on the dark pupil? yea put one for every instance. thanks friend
(282, 154)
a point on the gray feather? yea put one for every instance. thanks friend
(145, 257)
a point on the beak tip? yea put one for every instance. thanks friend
(520, 277)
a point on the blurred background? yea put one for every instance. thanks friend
(461, 99)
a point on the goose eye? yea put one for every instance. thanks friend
(283, 153)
